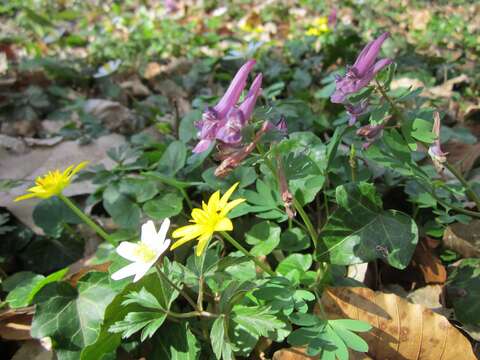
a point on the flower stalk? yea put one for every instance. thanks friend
(86, 219)
(239, 247)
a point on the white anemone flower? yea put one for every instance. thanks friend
(107, 68)
(144, 254)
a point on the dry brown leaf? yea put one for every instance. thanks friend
(429, 264)
(34, 350)
(401, 330)
(297, 353)
(462, 155)
(463, 239)
(15, 324)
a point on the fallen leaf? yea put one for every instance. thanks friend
(40, 160)
(432, 297)
(15, 324)
(113, 115)
(297, 353)
(463, 239)
(135, 87)
(33, 350)
(446, 89)
(429, 265)
(401, 330)
(463, 156)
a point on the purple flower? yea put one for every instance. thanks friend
(362, 72)
(354, 111)
(332, 18)
(436, 154)
(225, 120)
(370, 133)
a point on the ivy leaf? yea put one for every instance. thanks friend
(24, 285)
(176, 342)
(72, 316)
(463, 287)
(265, 237)
(360, 231)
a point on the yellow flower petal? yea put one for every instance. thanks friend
(24, 197)
(230, 206)
(189, 231)
(226, 196)
(224, 224)
(213, 202)
(202, 243)
(79, 167)
(199, 215)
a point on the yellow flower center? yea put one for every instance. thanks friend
(144, 253)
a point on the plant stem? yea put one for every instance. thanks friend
(456, 208)
(472, 195)
(307, 222)
(237, 245)
(184, 294)
(384, 94)
(190, 314)
(86, 219)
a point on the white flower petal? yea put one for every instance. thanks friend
(128, 251)
(129, 270)
(165, 246)
(162, 233)
(149, 234)
(142, 269)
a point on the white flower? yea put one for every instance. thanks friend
(107, 68)
(144, 254)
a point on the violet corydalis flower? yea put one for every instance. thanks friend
(436, 154)
(371, 133)
(362, 72)
(354, 111)
(225, 120)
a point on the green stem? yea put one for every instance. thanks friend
(86, 219)
(184, 294)
(307, 222)
(237, 245)
(394, 106)
(472, 195)
(190, 314)
(456, 208)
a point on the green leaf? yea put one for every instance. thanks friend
(24, 285)
(422, 130)
(221, 346)
(175, 342)
(187, 130)
(140, 189)
(163, 206)
(294, 266)
(344, 327)
(72, 316)
(124, 211)
(50, 214)
(360, 231)
(463, 287)
(294, 239)
(265, 202)
(173, 159)
(265, 237)
(106, 342)
(257, 320)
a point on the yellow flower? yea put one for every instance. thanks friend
(210, 218)
(52, 183)
(320, 26)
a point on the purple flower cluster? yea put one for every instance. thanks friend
(362, 72)
(225, 120)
